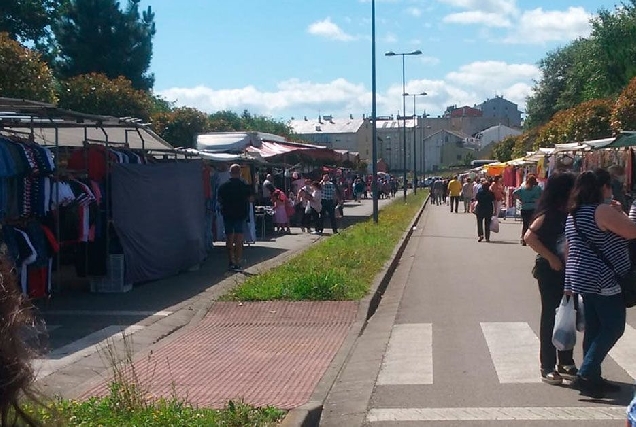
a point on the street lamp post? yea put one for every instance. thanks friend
(374, 118)
(391, 53)
(414, 95)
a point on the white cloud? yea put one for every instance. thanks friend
(502, 7)
(414, 11)
(389, 38)
(539, 26)
(470, 84)
(535, 26)
(326, 28)
(492, 75)
(478, 17)
(429, 60)
(291, 95)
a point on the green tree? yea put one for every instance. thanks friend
(502, 150)
(598, 67)
(226, 121)
(96, 36)
(615, 34)
(624, 113)
(23, 74)
(265, 124)
(180, 126)
(160, 105)
(97, 94)
(570, 75)
(29, 20)
(469, 157)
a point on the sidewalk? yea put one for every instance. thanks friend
(269, 353)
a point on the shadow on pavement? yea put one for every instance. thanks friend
(159, 294)
(504, 242)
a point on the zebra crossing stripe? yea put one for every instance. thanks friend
(624, 351)
(514, 349)
(409, 358)
(497, 414)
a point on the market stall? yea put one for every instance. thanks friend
(78, 165)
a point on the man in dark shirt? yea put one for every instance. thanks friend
(234, 196)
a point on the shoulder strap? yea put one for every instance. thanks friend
(594, 248)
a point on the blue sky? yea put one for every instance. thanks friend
(291, 58)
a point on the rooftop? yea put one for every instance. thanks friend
(326, 124)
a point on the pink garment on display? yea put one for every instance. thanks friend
(509, 176)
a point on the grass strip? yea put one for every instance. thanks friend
(105, 412)
(339, 268)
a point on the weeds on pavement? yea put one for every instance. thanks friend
(129, 401)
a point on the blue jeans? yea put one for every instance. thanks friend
(604, 325)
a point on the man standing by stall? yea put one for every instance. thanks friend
(329, 202)
(235, 197)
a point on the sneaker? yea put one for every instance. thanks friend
(315, 233)
(551, 377)
(237, 268)
(567, 372)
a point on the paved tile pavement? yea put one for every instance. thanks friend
(266, 353)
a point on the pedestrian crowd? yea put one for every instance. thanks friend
(584, 240)
(485, 197)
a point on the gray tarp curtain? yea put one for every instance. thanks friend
(159, 215)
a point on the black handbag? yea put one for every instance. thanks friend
(627, 282)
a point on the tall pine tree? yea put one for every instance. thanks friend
(97, 36)
(29, 20)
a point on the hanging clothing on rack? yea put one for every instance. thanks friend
(32, 247)
(93, 160)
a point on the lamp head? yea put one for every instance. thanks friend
(390, 53)
(416, 52)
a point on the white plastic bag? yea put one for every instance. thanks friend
(494, 224)
(580, 315)
(564, 333)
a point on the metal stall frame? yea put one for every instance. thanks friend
(16, 115)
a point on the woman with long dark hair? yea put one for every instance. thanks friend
(546, 236)
(597, 234)
(16, 373)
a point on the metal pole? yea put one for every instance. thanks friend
(404, 124)
(58, 263)
(374, 128)
(414, 148)
(424, 144)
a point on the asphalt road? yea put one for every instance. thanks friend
(455, 341)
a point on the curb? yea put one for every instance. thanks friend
(309, 414)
